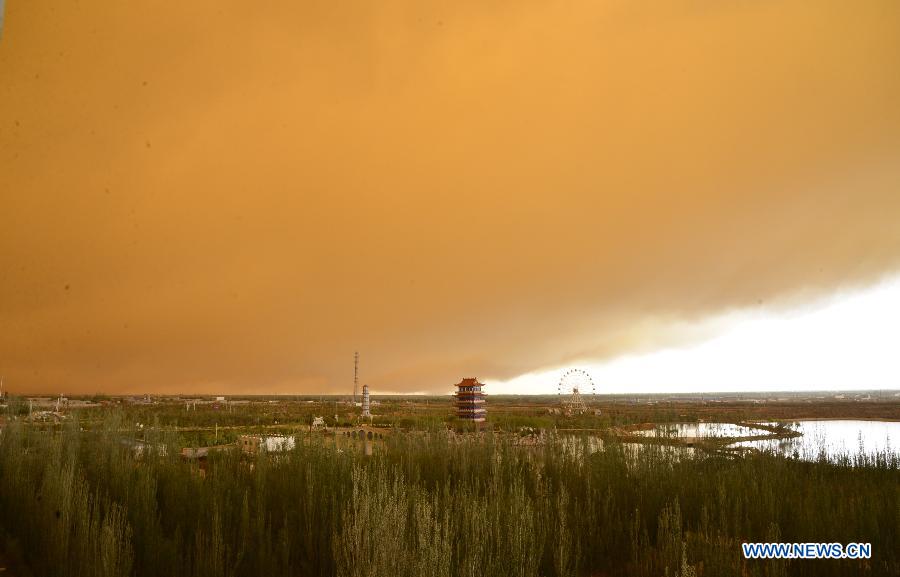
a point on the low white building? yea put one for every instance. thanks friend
(252, 444)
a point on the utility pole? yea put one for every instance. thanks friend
(355, 376)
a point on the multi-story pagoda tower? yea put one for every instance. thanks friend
(470, 400)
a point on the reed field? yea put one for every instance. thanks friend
(78, 502)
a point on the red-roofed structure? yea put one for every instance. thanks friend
(470, 400)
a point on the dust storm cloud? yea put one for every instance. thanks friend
(224, 197)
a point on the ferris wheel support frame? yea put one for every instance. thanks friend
(573, 401)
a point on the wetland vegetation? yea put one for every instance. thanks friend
(78, 501)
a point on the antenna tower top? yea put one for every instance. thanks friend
(355, 376)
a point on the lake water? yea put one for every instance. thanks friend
(700, 430)
(834, 439)
(573, 446)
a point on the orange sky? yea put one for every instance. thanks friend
(209, 196)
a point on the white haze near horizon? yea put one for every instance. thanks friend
(850, 341)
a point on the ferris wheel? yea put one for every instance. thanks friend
(573, 384)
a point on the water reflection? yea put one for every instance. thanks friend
(834, 439)
(702, 430)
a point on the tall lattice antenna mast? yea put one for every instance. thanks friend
(355, 376)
